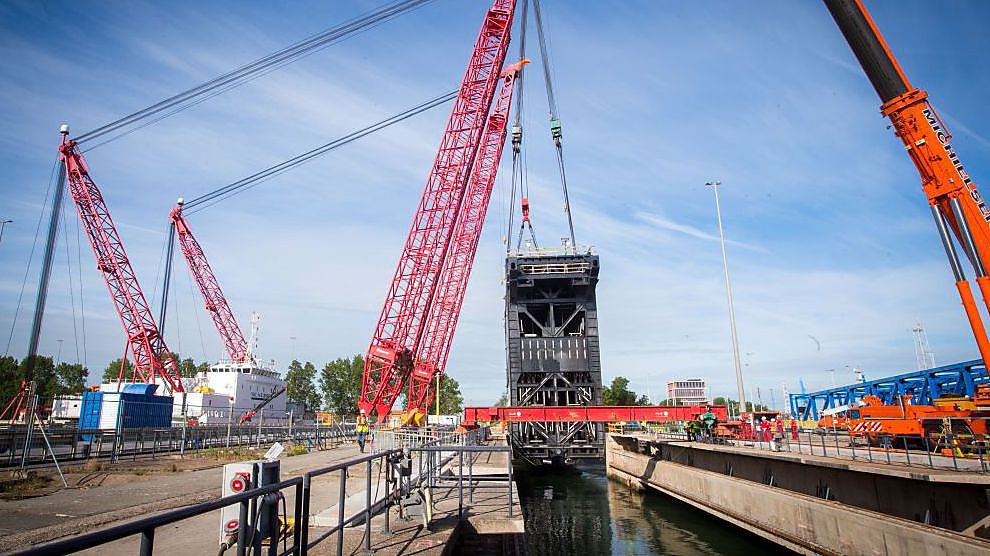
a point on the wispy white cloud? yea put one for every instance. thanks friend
(668, 224)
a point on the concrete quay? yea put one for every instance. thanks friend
(814, 504)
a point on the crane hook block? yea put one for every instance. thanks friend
(516, 134)
(555, 129)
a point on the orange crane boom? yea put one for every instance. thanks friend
(957, 207)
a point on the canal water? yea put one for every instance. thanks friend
(582, 512)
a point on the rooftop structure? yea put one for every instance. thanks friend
(687, 391)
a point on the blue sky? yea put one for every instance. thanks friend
(830, 233)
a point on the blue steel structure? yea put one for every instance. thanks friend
(959, 379)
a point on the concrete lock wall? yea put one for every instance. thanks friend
(805, 523)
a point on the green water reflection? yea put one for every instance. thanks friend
(582, 512)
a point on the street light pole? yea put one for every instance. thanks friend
(741, 390)
(3, 223)
(58, 356)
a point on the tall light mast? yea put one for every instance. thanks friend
(740, 389)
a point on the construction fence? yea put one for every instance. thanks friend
(965, 453)
(22, 445)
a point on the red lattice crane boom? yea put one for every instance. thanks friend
(400, 325)
(957, 207)
(152, 358)
(213, 298)
(442, 321)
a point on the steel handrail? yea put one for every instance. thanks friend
(144, 525)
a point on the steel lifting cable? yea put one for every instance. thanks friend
(518, 166)
(517, 128)
(195, 95)
(82, 305)
(555, 128)
(169, 250)
(212, 198)
(199, 327)
(239, 186)
(68, 269)
(34, 245)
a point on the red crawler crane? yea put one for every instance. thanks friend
(400, 328)
(152, 358)
(213, 298)
(432, 358)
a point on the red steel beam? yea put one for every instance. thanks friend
(590, 413)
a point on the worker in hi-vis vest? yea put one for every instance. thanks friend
(361, 429)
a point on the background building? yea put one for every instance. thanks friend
(688, 391)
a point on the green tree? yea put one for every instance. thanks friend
(71, 378)
(719, 400)
(340, 382)
(10, 377)
(618, 393)
(112, 371)
(203, 367)
(503, 401)
(299, 385)
(733, 405)
(187, 367)
(45, 382)
(451, 400)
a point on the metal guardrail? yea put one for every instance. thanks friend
(903, 449)
(73, 445)
(436, 478)
(254, 501)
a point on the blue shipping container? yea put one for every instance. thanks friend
(138, 411)
(89, 413)
(134, 408)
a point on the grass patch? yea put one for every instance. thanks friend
(296, 450)
(227, 454)
(15, 489)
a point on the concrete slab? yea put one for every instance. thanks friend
(804, 523)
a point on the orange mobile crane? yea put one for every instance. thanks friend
(957, 207)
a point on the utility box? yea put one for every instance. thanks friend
(240, 477)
